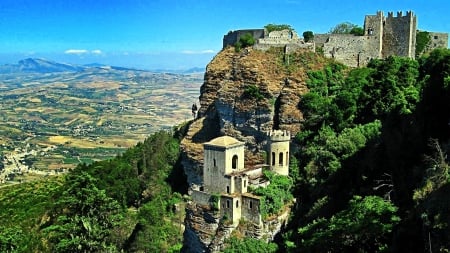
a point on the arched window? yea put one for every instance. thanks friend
(280, 158)
(234, 162)
(273, 158)
(287, 158)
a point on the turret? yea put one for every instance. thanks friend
(278, 151)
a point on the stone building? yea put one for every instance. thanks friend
(384, 36)
(226, 179)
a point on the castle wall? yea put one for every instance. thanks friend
(437, 40)
(251, 208)
(230, 206)
(233, 36)
(399, 35)
(200, 197)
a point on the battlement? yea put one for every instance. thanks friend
(279, 135)
(400, 14)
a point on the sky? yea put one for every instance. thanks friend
(173, 34)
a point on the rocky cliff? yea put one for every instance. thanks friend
(244, 95)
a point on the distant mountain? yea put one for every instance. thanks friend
(33, 65)
(37, 65)
(180, 71)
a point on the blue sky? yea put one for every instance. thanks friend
(171, 34)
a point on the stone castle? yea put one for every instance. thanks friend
(226, 178)
(384, 36)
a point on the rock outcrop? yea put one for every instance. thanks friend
(229, 107)
(244, 95)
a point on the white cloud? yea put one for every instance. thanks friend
(208, 51)
(76, 51)
(96, 51)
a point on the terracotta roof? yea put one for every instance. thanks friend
(224, 141)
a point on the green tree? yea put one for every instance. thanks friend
(357, 30)
(250, 245)
(275, 27)
(247, 40)
(344, 28)
(308, 36)
(85, 217)
(422, 40)
(365, 226)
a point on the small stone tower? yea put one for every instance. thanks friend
(278, 151)
(223, 157)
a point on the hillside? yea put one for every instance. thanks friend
(55, 115)
(369, 163)
(370, 156)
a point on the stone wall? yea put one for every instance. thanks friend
(437, 40)
(200, 197)
(233, 36)
(251, 208)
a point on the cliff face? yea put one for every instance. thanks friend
(244, 95)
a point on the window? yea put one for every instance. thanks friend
(234, 162)
(250, 204)
(280, 159)
(237, 203)
(214, 161)
(228, 189)
(436, 37)
(228, 203)
(287, 158)
(273, 158)
(245, 183)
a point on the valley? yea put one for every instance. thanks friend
(50, 122)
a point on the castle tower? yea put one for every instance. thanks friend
(399, 35)
(373, 30)
(278, 151)
(223, 157)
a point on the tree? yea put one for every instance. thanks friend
(359, 31)
(308, 36)
(274, 27)
(346, 28)
(85, 217)
(365, 226)
(250, 245)
(247, 40)
(422, 40)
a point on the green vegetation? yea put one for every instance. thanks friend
(423, 38)
(371, 174)
(275, 27)
(275, 195)
(347, 28)
(245, 40)
(363, 227)
(308, 36)
(250, 245)
(373, 168)
(252, 91)
(125, 203)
